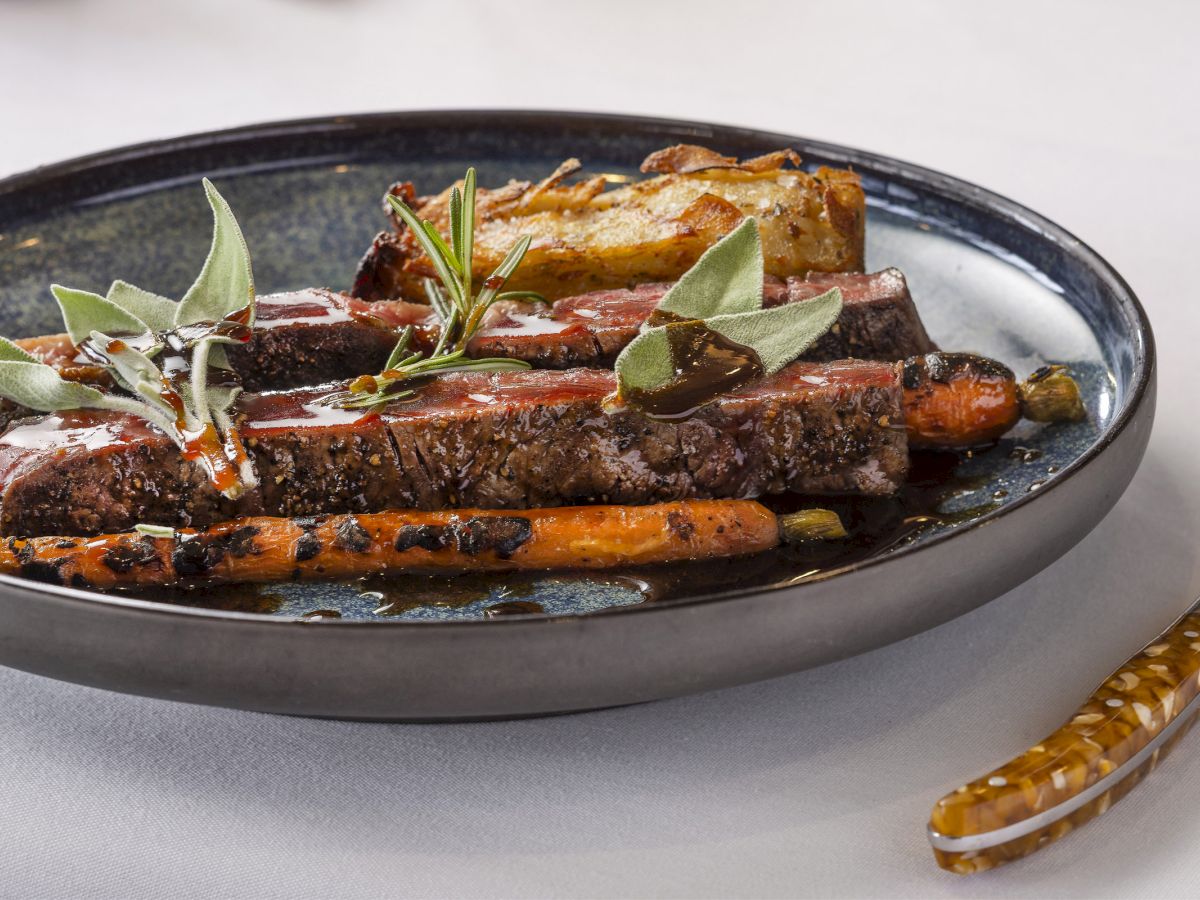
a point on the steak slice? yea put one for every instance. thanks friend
(878, 321)
(316, 336)
(84, 471)
(504, 440)
(300, 338)
(536, 438)
(310, 337)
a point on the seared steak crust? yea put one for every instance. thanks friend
(879, 319)
(56, 483)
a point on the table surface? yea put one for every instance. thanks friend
(815, 784)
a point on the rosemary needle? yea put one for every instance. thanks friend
(458, 307)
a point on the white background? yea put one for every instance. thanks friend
(815, 784)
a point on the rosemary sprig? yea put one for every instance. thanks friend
(458, 307)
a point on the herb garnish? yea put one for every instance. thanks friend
(189, 391)
(720, 298)
(459, 308)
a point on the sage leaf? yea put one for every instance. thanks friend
(220, 399)
(134, 370)
(780, 334)
(40, 387)
(646, 362)
(84, 312)
(226, 282)
(10, 352)
(727, 279)
(157, 312)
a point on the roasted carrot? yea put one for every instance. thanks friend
(963, 400)
(266, 549)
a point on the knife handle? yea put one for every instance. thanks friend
(1073, 776)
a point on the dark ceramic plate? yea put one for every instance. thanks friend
(987, 274)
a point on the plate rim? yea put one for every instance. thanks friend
(963, 190)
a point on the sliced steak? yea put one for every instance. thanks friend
(879, 321)
(316, 336)
(310, 337)
(82, 472)
(504, 440)
(300, 338)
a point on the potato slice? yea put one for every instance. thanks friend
(587, 238)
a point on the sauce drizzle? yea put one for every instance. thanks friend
(707, 364)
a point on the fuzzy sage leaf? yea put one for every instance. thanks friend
(727, 279)
(84, 312)
(40, 387)
(716, 322)
(226, 282)
(157, 312)
(777, 335)
(780, 334)
(10, 352)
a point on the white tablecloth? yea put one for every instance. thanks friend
(815, 784)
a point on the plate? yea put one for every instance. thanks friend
(987, 274)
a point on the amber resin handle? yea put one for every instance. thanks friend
(1077, 773)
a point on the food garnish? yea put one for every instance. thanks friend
(459, 307)
(711, 335)
(156, 531)
(267, 549)
(189, 391)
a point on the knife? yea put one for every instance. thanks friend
(1073, 776)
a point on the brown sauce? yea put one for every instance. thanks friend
(707, 364)
(317, 615)
(513, 608)
(398, 595)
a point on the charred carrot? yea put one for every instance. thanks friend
(266, 549)
(963, 400)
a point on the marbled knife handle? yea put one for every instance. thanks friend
(1078, 772)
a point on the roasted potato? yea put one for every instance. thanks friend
(587, 238)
